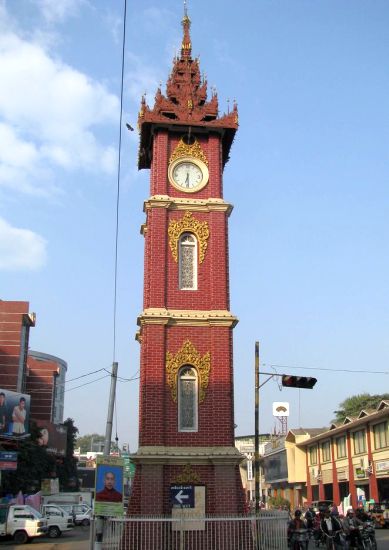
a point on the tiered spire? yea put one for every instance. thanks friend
(186, 95)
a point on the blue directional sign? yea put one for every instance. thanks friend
(182, 496)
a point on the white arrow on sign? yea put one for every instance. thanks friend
(180, 496)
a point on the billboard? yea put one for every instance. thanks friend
(14, 414)
(280, 408)
(53, 437)
(109, 486)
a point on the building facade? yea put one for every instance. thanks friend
(15, 324)
(186, 418)
(350, 459)
(46, 376)
(40, 375)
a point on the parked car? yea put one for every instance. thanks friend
(81, 512)
(21, 522)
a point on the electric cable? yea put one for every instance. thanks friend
(86, 384)
(354, 371)
(118, 184)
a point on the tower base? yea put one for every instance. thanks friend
(160, 468)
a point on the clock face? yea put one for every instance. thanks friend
(188, 174)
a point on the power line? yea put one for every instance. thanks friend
(87, 383)
(122, 379)
(82, 376)
(354, 371)
(118, 184)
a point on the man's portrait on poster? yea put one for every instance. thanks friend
(108, 482)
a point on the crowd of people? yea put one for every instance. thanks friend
(330, 528)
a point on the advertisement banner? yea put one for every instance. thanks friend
(53, 437)
(14, 414)
(109, 486)
(8, 460)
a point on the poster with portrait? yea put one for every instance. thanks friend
(14, 414)
(52, 436)
(109, 486)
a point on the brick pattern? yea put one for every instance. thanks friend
(11, 322)
(158, 414)
(40, 384)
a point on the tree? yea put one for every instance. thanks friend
(353, 405)
(89, 442)
(34, 464)
(93, 442)
(67, 467)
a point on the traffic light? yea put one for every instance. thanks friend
(305, 382)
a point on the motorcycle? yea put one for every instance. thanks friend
(368, 536)
(299, 539)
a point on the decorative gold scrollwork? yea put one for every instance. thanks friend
(186, 150)
(190, 224)
(188, 355)
(188, 475)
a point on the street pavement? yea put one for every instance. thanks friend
(76, 539)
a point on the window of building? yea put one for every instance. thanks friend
(313, 455)
(187, 399)
(380, 435)
(341, 447)
(326, 451)
(188, 262)
(359, 442)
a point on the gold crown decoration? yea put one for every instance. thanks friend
(188, 355)
(190, 224)
(188, 475)
(185, 150)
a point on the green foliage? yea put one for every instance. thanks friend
(34, 464)
(86, 442)
(353, 405)
(67, 467)
(90, 442)
(278, 502)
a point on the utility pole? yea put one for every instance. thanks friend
(289, 381)
(111, 405)
(256, 459)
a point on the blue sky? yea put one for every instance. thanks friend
(308, 178)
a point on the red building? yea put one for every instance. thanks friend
(46, 385)
(15, 323)
(186, 418)
(39, 375)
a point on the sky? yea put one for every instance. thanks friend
(308, 178)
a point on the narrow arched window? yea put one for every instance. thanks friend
(187, 399)
(188, 262)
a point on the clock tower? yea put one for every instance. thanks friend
(186, 415)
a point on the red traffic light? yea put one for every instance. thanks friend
(306, 382)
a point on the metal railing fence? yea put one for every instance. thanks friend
(266, 531)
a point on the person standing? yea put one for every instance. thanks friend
(3, 413)
(19, 417)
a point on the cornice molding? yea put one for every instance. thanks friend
(195, 205)
(179, 317)
(187, 455)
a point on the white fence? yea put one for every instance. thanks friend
(266, 531)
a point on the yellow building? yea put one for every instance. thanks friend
(351, 458)
(284, 466)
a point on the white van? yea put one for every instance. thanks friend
(81, 512)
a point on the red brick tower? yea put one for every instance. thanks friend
(186, 418)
